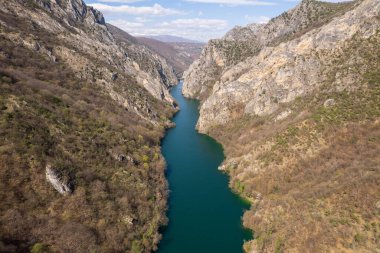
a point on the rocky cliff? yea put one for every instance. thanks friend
(243, 42)
(84, 42)
(82, 111)
(289, 100)
(147, 61)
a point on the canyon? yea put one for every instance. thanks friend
(91, 159)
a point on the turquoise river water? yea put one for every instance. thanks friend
(204, 215)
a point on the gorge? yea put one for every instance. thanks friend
(270, 143)
(204, 215)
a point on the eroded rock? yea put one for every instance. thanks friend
(329, 102)
(63, 184)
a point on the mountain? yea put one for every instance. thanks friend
(83, 107)
(172, 39)
(295, 103)
(150, 62)
(180, 55)
(189, 50)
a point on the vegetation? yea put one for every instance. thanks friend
(50, 116)
(313, 178)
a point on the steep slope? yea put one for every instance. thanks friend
(178, 55)
(299, 116)
(81, 117)
(243, 42)
(149, 62)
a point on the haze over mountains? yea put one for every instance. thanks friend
(179, 54)
(173, 39)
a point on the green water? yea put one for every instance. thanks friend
(204, 215)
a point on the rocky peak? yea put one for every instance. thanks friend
(307, 15)
(77, 10)
(240, 33)
(243, 42)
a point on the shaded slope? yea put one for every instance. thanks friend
(71, 102)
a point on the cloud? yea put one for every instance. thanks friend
(126, 25)
(233, 2)
(195, 28)
(155, 10)
(257, 19)
(142, 19)
(218, 24)
(120, 1)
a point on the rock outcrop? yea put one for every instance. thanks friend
(62, 184)
(83, 41)
(243, 42)
(276, 74)
(146, 60)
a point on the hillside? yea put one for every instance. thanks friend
(180, 55)
(81, 117)
(149, 62)
(190, 50)
(295, 103)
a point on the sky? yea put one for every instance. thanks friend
(199, 20)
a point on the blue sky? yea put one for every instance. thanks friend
(194, 19)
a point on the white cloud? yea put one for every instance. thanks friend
(233, 2)
(126, 25)
(197, 29)
(257, 19)
(142, 19)
(155, 10)
(218, 24)
(120, 1)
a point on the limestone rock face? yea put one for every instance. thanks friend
(243, 42)
(282, 63)
(283, 100)
(155, 70)
(62, 184)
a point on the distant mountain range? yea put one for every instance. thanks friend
(179, 55)
(171, 39)
(178, 52)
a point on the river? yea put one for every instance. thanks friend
(204, 215)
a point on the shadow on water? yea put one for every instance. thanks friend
(204, 215)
